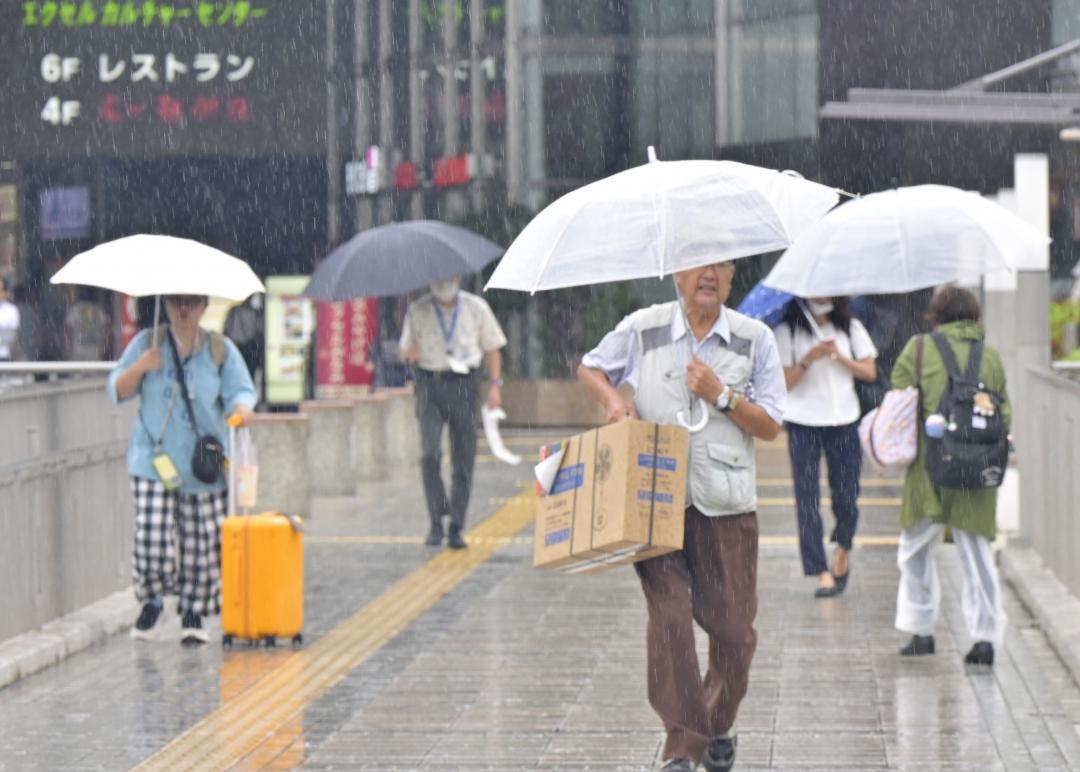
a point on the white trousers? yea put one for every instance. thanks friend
(918, 599)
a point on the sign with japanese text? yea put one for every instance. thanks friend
(290, 321)
(65, 213)
(346, 332)
(150, 77)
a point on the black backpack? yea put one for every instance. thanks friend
(974, 451)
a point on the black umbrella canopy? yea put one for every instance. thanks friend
(398, 258)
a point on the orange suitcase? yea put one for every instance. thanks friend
(262, 576)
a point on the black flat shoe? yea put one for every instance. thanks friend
(435, 536)
(455, 540)
(827, 592)
(918, 646)
(841, 581)
(982, 653)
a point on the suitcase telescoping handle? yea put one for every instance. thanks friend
(235, 422)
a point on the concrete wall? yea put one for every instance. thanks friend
(65, 505)
(65, 501)
(1050, 477)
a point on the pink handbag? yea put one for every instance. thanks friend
(889, 433)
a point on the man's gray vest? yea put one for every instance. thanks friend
(722, 479)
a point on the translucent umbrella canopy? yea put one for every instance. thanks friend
(147, 264)
(658, 219)
(903, 240)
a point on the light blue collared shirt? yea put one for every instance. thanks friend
(214, 395)
(618, 355)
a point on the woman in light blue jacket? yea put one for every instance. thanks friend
(177, 515)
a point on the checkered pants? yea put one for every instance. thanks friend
(168, 520)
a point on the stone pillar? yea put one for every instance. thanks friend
(1016, 313)
(330, 466)
(281, 440)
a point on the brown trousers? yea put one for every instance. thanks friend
(713, 581)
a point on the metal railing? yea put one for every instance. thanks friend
(34, 368)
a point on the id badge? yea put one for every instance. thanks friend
(166, 471)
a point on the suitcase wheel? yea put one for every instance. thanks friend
(298, 641)
(226, 641)
(270, 641)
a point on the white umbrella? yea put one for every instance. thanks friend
(161, 265)
(903, 240)
(660, 218)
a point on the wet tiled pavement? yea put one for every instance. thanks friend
(503, 667)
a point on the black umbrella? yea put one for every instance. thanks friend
(398, 258)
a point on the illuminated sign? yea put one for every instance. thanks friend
(162, 78)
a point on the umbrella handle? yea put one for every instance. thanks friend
(684, 421)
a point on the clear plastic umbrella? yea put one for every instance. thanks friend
(903, 240)
(658, 219)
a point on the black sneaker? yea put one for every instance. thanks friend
(148, 625)
(918, 646)
(192, 633)
(982, 653)
(678, 765)
(720, 754)
(455, 541)
(434, 536)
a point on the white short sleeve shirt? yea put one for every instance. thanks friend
(465, 333)
(825, 396)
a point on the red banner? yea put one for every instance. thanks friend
(129, 319)
(346, 332)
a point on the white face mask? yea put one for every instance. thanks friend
(444, 291)
(819, 309)
(256, 302)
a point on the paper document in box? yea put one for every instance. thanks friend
(548, 469)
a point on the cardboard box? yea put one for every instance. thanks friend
(619, 497)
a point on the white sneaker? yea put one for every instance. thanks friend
(193, 632)
(148, 625)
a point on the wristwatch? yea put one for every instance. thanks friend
(723, 402)
(496, 382)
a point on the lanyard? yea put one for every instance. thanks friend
(448, 334)
(164, 424)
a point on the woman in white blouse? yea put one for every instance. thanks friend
(821, 362)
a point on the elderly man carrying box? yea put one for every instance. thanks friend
(730, 361)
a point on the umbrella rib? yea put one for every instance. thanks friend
(544, 264)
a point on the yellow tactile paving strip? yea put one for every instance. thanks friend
(253, 727)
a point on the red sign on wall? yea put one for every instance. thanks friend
(129, 319)
(346, 332)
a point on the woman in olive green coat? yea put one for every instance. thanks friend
(927, 509)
